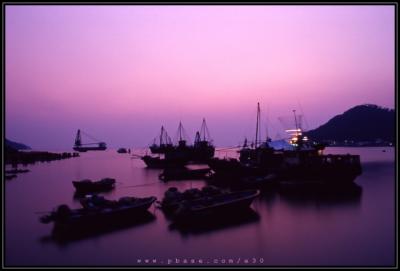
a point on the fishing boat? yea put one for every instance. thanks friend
(203, 149)
(183, 174)
(218, 204)
(173, 197)
(250, 159)
(304, 160)
(95, 146)
(165, 143)
(298, 159)
(99, 210)
(182, 151)
(87, 186)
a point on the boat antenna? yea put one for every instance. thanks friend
(295, 122)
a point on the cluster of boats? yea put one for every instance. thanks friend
(181, 154)
(192, 203)
(260, 163)
(263, 164)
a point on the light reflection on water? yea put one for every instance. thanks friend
(301, 228)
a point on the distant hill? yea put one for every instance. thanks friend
(362, 123)
(15, 145)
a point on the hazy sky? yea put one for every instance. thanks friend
(120, 72)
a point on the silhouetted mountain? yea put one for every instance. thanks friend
(15, 145)
(363, 123)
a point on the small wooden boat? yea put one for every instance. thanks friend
(99, 210)
(217, 204)
(173, 198)
(87, 186)
(122, 150)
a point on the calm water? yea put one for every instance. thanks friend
(283, 230)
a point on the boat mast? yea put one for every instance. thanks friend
(161, 135)
(197, 138)
(203, 128)
(180, 131)
(78, 141)
(204, 131)
(258, 123)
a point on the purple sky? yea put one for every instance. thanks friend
(120, 72)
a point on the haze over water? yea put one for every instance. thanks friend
(120, 72)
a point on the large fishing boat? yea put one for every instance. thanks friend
(299, 159)
(95, 146)
(203, 149)
(165, 143)
(182, 153)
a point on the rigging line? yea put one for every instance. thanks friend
(140, 185)
(91, 137)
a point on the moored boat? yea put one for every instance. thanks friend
(87, 186)
(122, 150)
(98, 210)
(299, 159)
(203, 149)
(200, 151)
(165, 143)
(96, 146)
(212, 205)
(173, 197)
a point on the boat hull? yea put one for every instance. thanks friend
(104, 215)
(183, 174)
(85, 149)
(155, 162)
(83, 187)
(220, 204)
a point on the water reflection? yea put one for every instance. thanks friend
(304, 226)
(215, 222)
(317, 195)
(63, 235)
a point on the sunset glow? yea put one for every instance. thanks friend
(120, 72)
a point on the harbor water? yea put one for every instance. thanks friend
(282, 229)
